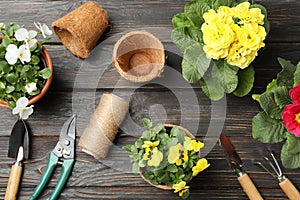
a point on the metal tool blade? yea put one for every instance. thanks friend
(19, 137)
(232, 156)
(20, 156)
(69, 128)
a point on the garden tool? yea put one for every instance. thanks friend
(19, 137)
(63, 153)
(19, 149)
(286, 185)
(236, 164)
(14, 177)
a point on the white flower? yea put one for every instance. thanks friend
(30, 87)
(43, 28)
(13, 53)
(22, 109)
(28, 36)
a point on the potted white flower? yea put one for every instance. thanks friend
(25, 66)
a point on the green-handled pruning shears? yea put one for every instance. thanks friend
(64, 153)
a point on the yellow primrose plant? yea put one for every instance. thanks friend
(167, 156)
(219, 40)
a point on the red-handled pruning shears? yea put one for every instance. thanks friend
(64, 153)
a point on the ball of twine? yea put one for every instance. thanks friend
(103, 126)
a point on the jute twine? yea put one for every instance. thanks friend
(103, 126)
(80, 30)
(139, 56)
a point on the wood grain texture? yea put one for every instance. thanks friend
(79, 84)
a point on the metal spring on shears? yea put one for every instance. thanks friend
(277, 170)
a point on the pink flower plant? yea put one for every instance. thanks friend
(291, 112)
(295, 94)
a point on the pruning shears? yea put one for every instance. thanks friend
(63, 153)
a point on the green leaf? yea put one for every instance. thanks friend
(266, 129)
(127, 148)
(135, 167)
(211, 87)
(194, 10)
(186, 194)
(5, 41)
(226, 75)
(181, 37)
(157, 128)
(195, 63)
(286, 76)
(282, 97)
(44, 41)
(11, 78)
(291, 161)
(269, 105)
(297, 75)
(3, 65)
(7, 68)
(246, 81)
(9, 89)
(177, 133)
(11, 104)
(271, 86)
(2, 48)
(256, 97)
(2, 85)
(35, 59)
(33, 47)
(12, 27)
(147, 123)
(172, 168)
(293, 143)
(181, 20)
(45, 73)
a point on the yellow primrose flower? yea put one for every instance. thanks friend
(148, 144)
(180, 187)
(226, 10)
(177, 154)
(257, 16)
(154, 156)
(201, 165)
(191, 144)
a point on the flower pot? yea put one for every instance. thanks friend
(46, 59)
(168, 126)
(139, 56)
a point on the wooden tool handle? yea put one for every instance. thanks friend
(13, 183)
(289, 189)
(249, 187)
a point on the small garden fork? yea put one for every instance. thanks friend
(286, 185)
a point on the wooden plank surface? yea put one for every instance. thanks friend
(74, 77)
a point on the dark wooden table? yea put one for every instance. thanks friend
(99, 179)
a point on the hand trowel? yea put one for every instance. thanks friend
(19, 149)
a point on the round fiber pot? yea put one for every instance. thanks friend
(80, 30)
(47, 62)
(169, 127)
(139, 56)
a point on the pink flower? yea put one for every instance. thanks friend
(291, 118)
(295, 94)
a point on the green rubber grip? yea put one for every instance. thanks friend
(52, 162)
(67, 167)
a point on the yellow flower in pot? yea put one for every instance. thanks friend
(167, 156)
(25, 65)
